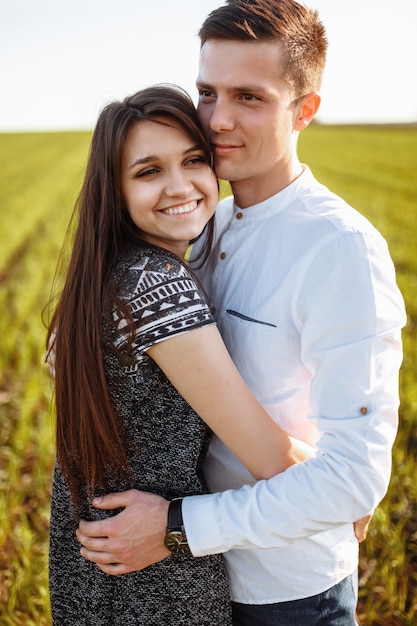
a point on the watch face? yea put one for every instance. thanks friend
(176, 542)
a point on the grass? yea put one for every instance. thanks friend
(374, 168)
(39, 177)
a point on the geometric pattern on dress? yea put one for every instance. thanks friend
(164, 299)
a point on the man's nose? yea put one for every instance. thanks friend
(221, 116)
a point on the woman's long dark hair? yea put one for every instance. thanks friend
(90, 437)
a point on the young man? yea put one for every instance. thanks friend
(305, 297)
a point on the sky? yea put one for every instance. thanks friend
(62, 61)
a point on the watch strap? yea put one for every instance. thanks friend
(175, 514)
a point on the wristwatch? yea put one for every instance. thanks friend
(175, 537)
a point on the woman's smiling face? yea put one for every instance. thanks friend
(169, 188)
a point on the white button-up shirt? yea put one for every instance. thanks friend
(305, 298)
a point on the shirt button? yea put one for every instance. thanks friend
(212, 310)
(239, 216)
(222, 255)
(363, 410)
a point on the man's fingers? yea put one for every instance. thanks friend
(101, 558)
(95, 544)
(104, 561)
(130, 540)
(93, 529)
(361, 527)
(114, 569)
(113, 500)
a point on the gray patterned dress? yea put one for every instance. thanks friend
(169, 442)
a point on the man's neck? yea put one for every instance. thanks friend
(250, 191)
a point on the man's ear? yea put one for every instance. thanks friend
(306, 110)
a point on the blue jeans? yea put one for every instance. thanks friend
(334, 607)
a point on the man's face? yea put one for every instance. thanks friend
(247, 112)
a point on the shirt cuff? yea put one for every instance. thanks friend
(201, 525)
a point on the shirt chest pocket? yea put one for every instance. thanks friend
(254, 342)
(249, 319)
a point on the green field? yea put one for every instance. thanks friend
(374, 168)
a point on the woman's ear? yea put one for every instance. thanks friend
(306, 109)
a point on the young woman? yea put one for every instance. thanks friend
(138, 359)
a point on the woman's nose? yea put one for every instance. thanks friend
(178, 183)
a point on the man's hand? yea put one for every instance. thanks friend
(129, 541)
(361, 527)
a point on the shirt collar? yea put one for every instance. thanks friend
(278, 202)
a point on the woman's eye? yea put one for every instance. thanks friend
(196, 160)
(147, 172)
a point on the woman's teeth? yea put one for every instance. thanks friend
(179, 210)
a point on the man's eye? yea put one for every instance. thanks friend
(205, 94)
(248, 97)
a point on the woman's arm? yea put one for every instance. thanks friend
(198, 365)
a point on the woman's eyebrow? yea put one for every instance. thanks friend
(153, 157)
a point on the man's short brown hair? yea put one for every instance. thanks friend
(296, 28)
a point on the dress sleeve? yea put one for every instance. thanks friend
(164, 300)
